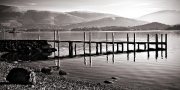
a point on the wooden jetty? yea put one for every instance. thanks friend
(120, 45)
(99, 46)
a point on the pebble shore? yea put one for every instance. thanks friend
(50, 82)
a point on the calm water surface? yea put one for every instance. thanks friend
(143, 73)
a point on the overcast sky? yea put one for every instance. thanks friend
(125, 8)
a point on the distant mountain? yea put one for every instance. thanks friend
(40, 18)
(151, 26)
(14, 17)
(109, 21)
(90, 16)
(170, 17)
(175, 27)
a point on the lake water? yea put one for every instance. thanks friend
(143, 73)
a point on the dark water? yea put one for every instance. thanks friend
(145, 73)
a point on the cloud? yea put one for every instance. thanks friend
(32, 4)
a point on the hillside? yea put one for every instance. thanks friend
(109, 21)
(151, 26)
(90, 16)
(170, 17)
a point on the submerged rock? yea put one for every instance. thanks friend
(62, 72)
(108, 82)
(47, 70)
(21, 76)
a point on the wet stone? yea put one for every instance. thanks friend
(47, 70)
(108, 82)
(62, 72)
(21, 76)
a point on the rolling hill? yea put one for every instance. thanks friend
(109, 21)
(151, 26)
(170, 17)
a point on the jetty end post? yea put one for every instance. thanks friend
(113, 46)
(166, 45)
(113, 43)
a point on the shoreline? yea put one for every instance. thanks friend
(50, 81)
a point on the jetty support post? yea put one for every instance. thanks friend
(54, 41)
(58, 49)
(127, 42)
(157, 46)
(84, 44)
(97, 49)
(58, 42)
(166, 45)
(106, 42)
(122, 47)
(134, 45)
(70, 49)
(113, 43)
(75, 52)
(39, 37)
(148, 44)
(90, 44)
(100, 48)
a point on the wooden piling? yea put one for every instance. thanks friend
(134, 45)
(166, 46)
(113, 43)
(90, 45)
(97, 48)
(54, 42)
(156, 41)
(106, 43)
(39, 38)
(84, 44)
(127, 42)
(58, 42)
(157, 46)
(122, 45)
(75, 52)
(117, 47)
(70, 49)
(148, 45)
(100, 48)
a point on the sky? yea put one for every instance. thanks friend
(124, 8)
